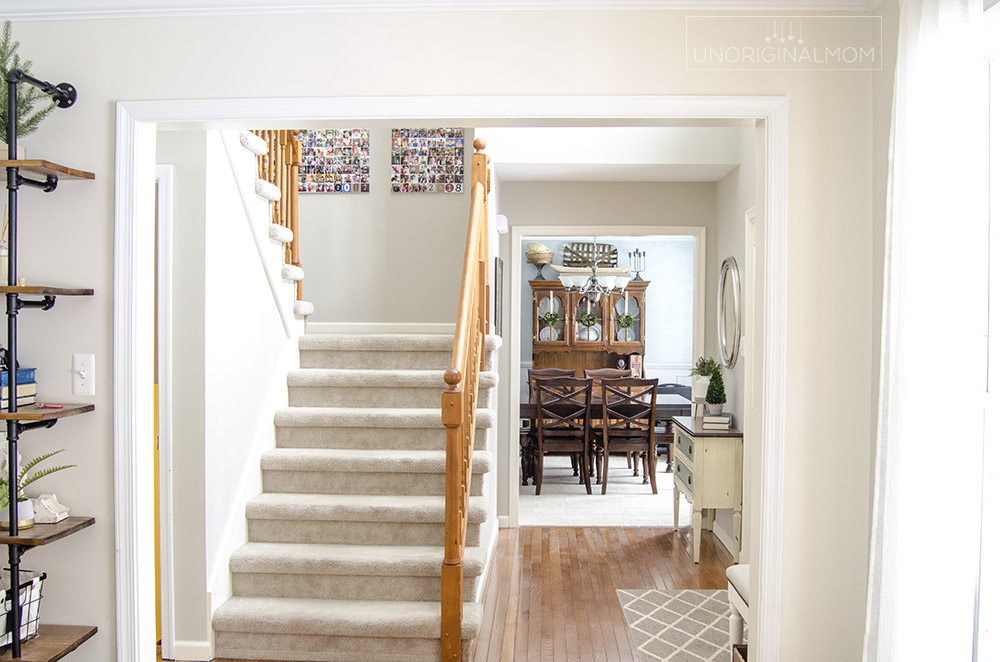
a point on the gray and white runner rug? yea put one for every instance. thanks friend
(678, 626)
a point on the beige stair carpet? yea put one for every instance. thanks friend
(345, 543)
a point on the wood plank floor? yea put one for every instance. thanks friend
(551, 594)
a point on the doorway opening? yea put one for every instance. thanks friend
(136, 146)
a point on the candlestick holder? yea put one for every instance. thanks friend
(637, 259)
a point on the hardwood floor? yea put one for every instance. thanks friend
(551, 592)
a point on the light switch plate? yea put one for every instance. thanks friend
(83, 374)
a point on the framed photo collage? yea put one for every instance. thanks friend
(421, 161)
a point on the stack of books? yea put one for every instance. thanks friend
(27, 389)
(719, 422)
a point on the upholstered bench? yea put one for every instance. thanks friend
(739, 600)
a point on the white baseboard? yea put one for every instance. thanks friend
(726, 540)
(493, 536)
(379, 327)
(193, 651)
(504, 521)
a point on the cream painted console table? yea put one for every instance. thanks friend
(708, 471)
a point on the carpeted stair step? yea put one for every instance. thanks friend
(355, 519)
(327, 387)
(382, 351)
(334, 630)
(347, 572)
(351, 471)
(361, 428)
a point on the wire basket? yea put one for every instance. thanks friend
(30, 599)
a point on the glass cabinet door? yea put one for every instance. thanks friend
(550, 317)
(588, 320)
(626, 318)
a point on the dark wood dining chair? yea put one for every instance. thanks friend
(562, 422)
(629, 406)
(598, 375)
(528, 458)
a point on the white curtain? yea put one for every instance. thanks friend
(925, 527)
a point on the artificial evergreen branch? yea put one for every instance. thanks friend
(27, 95)
(716, 394)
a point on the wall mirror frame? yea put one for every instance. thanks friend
(730, 318)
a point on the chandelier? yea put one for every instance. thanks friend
(594, 281)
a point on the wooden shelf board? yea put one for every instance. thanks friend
(45, 289)
(43, 534)
(46, 168)
(53, 642)
(36, 413)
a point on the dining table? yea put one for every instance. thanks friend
(667, 405)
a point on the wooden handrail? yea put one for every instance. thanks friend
(459, 403)
(280, 166)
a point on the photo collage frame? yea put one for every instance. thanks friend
(428, 160)
(334, 161)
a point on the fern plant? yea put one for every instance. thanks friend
(28, 96)
(23, 479)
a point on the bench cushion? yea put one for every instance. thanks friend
(739, 577)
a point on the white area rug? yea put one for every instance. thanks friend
(565, 502)
(678, 626)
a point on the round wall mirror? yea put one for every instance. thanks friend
(730, 322)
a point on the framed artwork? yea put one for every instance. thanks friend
(334, 161)
(428, 160)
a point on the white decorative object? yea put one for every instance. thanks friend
(267, 190)
(48, 510)
(503, 225)
(535, 247)
(25, 515)
(280, 233)
(253, 143)
(303, 308)
(699, 386)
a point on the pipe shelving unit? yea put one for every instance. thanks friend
(52, 641)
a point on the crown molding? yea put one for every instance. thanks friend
(54, 10)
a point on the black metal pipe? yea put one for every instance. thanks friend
(47, 186)
(34, 425)
(63, 94)
(45, 303)
(13, 177)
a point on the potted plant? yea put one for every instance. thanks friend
(716, 395)
(25, 511)
(701, 374)
(27, 97)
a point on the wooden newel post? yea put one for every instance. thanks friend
(452, 416)
(293, 203)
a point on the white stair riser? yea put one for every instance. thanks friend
(367, 438)
(316, 648)
(377, 360)
(328, 482)
(344, 587)
(352, 533)
(382, 397)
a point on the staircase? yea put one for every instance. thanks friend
(346, 542)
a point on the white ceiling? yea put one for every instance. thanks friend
(73, 9)
(612, 154)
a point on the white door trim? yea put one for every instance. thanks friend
(164, 331)
(133, 316)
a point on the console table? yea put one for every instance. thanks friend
(708, 471)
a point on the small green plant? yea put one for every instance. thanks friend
(625, 321)
(27, 97)
(705, 367)
(550, 319)
(716, 394)
(588, 319)
(23, 479)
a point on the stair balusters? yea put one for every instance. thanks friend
(280, 166)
